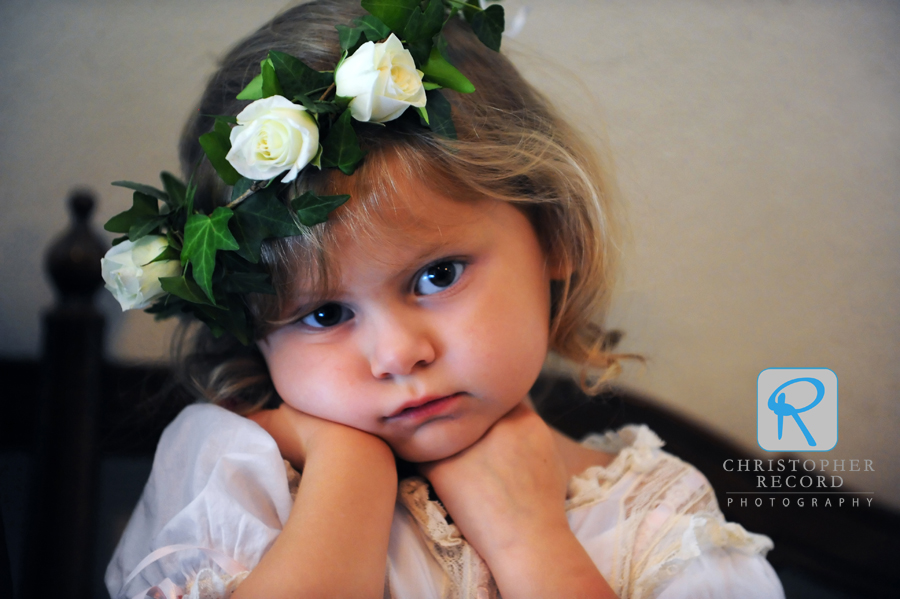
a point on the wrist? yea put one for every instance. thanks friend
(556, 563)
(351, 451)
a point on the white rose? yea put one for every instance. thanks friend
(382, 80)
(131, 277)
(273, 135)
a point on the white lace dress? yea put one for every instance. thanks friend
(219, 494)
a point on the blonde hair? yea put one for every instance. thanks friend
(511, 147)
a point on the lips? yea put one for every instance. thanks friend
(424, 407)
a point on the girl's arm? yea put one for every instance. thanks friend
(507, 495)
(335, 541)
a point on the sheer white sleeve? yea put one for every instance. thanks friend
(669, 539)
(217, 497)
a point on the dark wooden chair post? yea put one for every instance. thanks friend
(59, 540)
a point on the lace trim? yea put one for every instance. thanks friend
(210, 585)
(467, 574)
(667, 517)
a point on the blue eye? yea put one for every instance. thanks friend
(438, 276)
(327, 315)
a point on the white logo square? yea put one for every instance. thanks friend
(797, 409)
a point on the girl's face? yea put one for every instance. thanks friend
(437, 328)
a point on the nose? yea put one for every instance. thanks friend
(402, 342)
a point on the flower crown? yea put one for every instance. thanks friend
(175, 259)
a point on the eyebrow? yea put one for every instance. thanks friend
(310, 299)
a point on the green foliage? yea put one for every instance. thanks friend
(144, 189)
(393, 13)
(175, 190)
(312, 209)
(230, 317)
(259, 217)
(203, 237)
(488, 26)
(253, 90)
(249, 282)
(170, 253)
(341, 148)
(296, 77)
(184, 288)
(439, 119)
(216, 144)
(142, 218)
(421, 28)
(240, 187)
(349, 37)
(221, 251)
(365, 29)
(373, 27)
(270, 84)
(439, 71)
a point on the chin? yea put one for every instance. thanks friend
(431, 449)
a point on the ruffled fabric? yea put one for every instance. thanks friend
(216, 500)
(220, 493)
(668, 516)
(467, 573)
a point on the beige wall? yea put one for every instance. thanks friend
(758, 145)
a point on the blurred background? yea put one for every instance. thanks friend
(757, 144)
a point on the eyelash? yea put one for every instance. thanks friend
(431, 272)
(436, 271)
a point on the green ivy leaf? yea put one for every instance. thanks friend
(144, 189)
(423, 115)
(439, 71)
(441, 44)
(374, 28)
(488, 26)
(420, 51)
(249, 282)
(430, 85)
(424, 25)
(184, 288)
(189, 197)
(229, 119)
(170, 305)
(144, 207)
(259, 217)
(169, 253)
(393, 13)
(341, 148)
(439, 119)
(313, 209)
(203, 237)
(253, 90)
(233, 319)
(175, 189)
(240, 187)
(216, 146)
(349, 37)
(296, 77)
(145, 226)
(119, 240)
(271, 86)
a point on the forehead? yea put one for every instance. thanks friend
(393, 220)
(416, 223)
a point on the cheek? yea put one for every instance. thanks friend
(308, 379)
(506, 332)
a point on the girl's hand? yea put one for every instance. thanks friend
(298, 434)
(507, 493)
(335, 540)
(510, 483)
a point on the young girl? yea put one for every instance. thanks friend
(411, 325)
